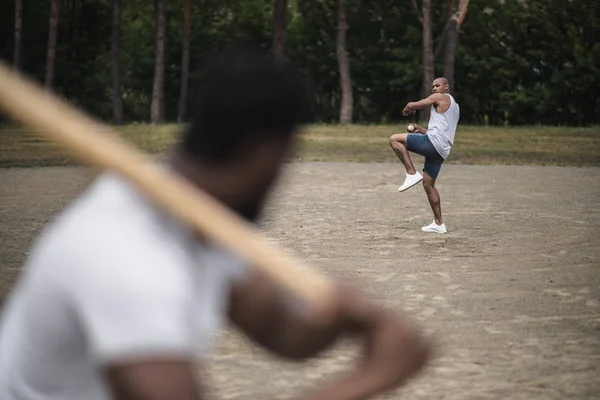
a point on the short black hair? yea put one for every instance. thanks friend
(244, 97)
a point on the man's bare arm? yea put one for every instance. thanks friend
(393, 348)
(157, 379)
(434, 99)
(264, 313)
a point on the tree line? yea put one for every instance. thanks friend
(508, 61)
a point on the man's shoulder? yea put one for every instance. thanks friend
(440, 98)
(113, 236)
(105, 211)
(108, 230)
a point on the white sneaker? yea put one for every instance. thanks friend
(435, 228)
(410, 181)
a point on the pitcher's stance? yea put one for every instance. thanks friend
(434, 143)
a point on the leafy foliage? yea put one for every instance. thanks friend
(518, 62)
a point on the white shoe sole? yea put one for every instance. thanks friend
(400, 189)
(440, 232)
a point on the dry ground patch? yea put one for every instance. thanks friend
(512, 293)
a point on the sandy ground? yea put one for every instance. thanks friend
(512, 292)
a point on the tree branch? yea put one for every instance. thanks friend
(441, 40)
(461, 12)
(416, 11)
(458, 16)
(451, 4)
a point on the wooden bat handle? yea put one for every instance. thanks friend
(96, 144)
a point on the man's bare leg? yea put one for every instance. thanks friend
(398, 144)
(434, 197)
(437, 226)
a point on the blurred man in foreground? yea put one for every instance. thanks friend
(118, 300)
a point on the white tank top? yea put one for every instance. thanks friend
(442, 127)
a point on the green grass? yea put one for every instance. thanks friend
(539, 145)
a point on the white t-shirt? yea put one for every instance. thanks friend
(442, 127)
(112, 279)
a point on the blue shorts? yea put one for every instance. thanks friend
(420, 144)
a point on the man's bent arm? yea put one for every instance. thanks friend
(426, 102)
(156, 379)
(265, 314)
(418, 129)
(393, 348)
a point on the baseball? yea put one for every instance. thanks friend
(411, 128)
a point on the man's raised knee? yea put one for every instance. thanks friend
(397, 139)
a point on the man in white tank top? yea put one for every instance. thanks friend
(434, 143)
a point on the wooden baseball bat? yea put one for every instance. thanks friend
(96, 144)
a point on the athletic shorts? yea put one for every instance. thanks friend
(420, 144)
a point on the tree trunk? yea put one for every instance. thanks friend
(52, 35)
(18, 28)
(452, 41)
(428, 60)
(116, 64)
(280, 16)
(344, 67)
(157, 107)
(185, 60)
(71, 19)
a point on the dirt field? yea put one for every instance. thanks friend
(512, 292)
